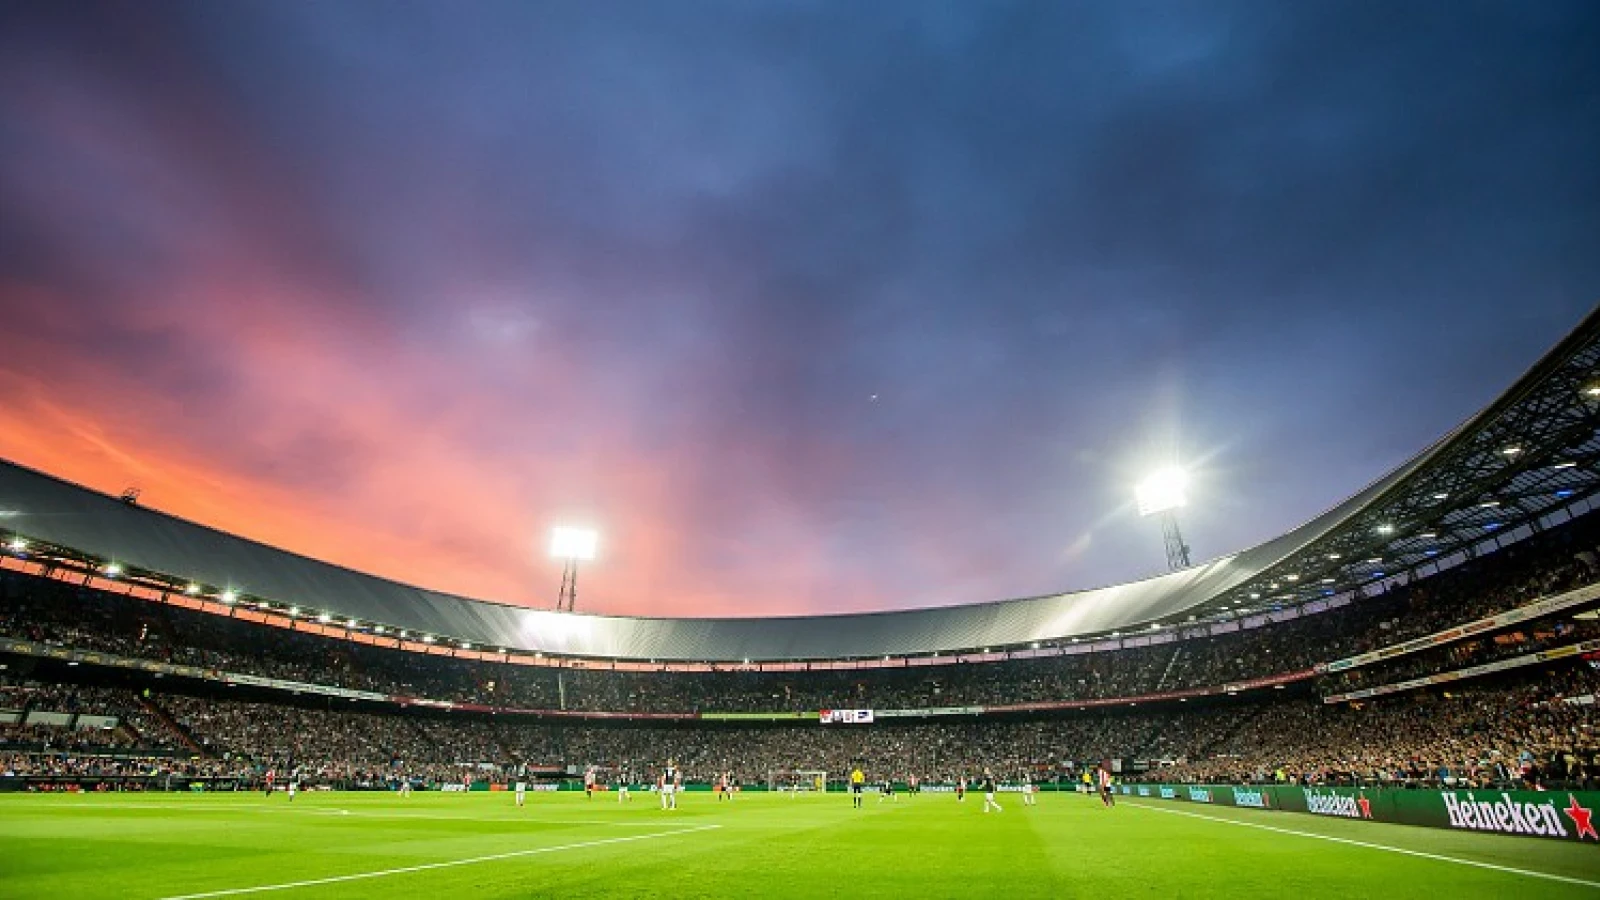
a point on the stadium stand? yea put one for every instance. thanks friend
(1516, 727)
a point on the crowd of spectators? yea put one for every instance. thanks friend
(1512, 728)
(78, 720)
(74, 616)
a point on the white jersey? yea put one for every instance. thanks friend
(522, 787)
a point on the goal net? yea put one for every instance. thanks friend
(797, 780)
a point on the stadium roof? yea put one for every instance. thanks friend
(1516, 465)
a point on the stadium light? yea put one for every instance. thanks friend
(1162, 493)
(229, 597)
(294, 611)
(192, 589)
(112, 570)
(571, 546)
(1164, 489)
(324, 618)
(17, 545)
(573, 543)
(1386, 528)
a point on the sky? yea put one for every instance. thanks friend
(805, 307)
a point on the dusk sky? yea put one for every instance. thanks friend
(805, 306)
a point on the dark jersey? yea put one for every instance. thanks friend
(988, 784)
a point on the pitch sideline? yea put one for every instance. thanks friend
(423, 867)
(1371, 846)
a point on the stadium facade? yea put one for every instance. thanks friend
(1524, 462)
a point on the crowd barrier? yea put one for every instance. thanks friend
(1559, 815)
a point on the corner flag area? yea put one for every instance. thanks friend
(152, 846)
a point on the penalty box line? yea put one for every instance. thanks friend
(1371, 846)
(423, 867)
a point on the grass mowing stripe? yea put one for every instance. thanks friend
(1371, 846)
(423, 867)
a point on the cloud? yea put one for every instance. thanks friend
(402, 289)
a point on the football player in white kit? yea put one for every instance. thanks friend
(522, 788)
(1027, 790)
(622, 787)
(669, 781)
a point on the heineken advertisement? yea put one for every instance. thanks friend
(1562, 815)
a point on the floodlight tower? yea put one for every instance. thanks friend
(571, 545)
(1161, 495)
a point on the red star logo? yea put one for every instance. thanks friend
(1581, 818)
(1366, 807)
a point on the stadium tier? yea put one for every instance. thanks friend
(99, 673)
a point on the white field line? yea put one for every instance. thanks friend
(423, 867)
(509, 819)
(1371, 846)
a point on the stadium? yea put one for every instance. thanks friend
(862, 359)
(1394, 698)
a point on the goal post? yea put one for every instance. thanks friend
(798, 780)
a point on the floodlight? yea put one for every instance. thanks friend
(324, 618)
(573, 543)
(1163, 490)
(112, 570)
(229, 596)
(192, 589)
(17, 545)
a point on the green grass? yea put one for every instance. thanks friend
(157, 846)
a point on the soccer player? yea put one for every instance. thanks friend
(1106, 797)
(961, 789)
(522, 788)
(294, 784)
(988, 791)
(622, 786)
(857, 780)
(272, 775)
(669, 781)
(913, 786)
(405, 785)
(588, 783)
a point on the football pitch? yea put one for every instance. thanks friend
(563, 845)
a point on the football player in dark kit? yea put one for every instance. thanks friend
(988, 791)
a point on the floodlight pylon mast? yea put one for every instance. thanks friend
(568, 598)
(1177, 550)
